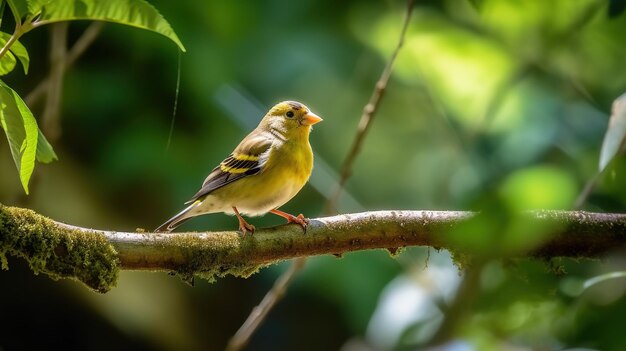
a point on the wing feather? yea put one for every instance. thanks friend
(246, 160)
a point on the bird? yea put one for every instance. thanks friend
(266, 170)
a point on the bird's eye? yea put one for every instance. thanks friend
(289, 114)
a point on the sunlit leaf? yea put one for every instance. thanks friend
(45, 152)
(7, 63)
(603, 277)
(21, 130)
(35, 6)
(18, 50)
(614, 137)
(135, 13)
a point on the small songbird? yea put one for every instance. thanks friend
(267, 169)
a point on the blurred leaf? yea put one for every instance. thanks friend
(603, 277)
(616, 7)
(614, 137)
(539, 187)
(18, 50)
(45, 152)
(477, 4)
(134, 13)
(21, 130)
(480, 235)
(7, 63)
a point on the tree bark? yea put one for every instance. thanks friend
(215, 254)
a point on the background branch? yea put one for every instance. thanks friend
(94, 256)
(51, 125)
(276, 293)
(369, 112)
(86, 39)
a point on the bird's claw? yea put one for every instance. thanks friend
(300, 220)
(246, 227)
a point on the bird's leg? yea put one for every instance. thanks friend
(303, 222)
(243, 225)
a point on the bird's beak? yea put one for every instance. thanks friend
(310, 119)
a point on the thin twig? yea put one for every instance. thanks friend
(369, 112)
(51, 125)
(86, 39)
(64, 61)
(169, 135)
(584, 194)
(259, 313)
(16, 33)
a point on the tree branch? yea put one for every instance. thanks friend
(94, 256)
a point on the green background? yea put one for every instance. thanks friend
(496, 106)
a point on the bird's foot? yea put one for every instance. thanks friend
(244, 227)
(299, 219)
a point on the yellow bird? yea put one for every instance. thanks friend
(267, 169)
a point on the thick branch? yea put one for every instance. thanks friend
(211, 254)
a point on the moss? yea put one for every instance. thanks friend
(555, 266)
(57, 251)
(461, 260)
(394, 252)
(206, 258)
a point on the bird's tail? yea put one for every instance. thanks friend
(177, 220)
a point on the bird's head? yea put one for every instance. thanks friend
(290, 118)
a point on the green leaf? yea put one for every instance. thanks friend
(28, 8)
(35, 6)
(21, 53)
(45, 153)
(18, 50)
(135, 13)
(7, 63)
(21, 130)
(19, 6)
(615, 134)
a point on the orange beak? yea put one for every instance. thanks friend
(310, 119)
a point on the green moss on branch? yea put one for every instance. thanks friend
(57, 251)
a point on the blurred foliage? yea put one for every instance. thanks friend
(496, 106)
(25, 139)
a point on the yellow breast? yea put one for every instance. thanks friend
(285, 173)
